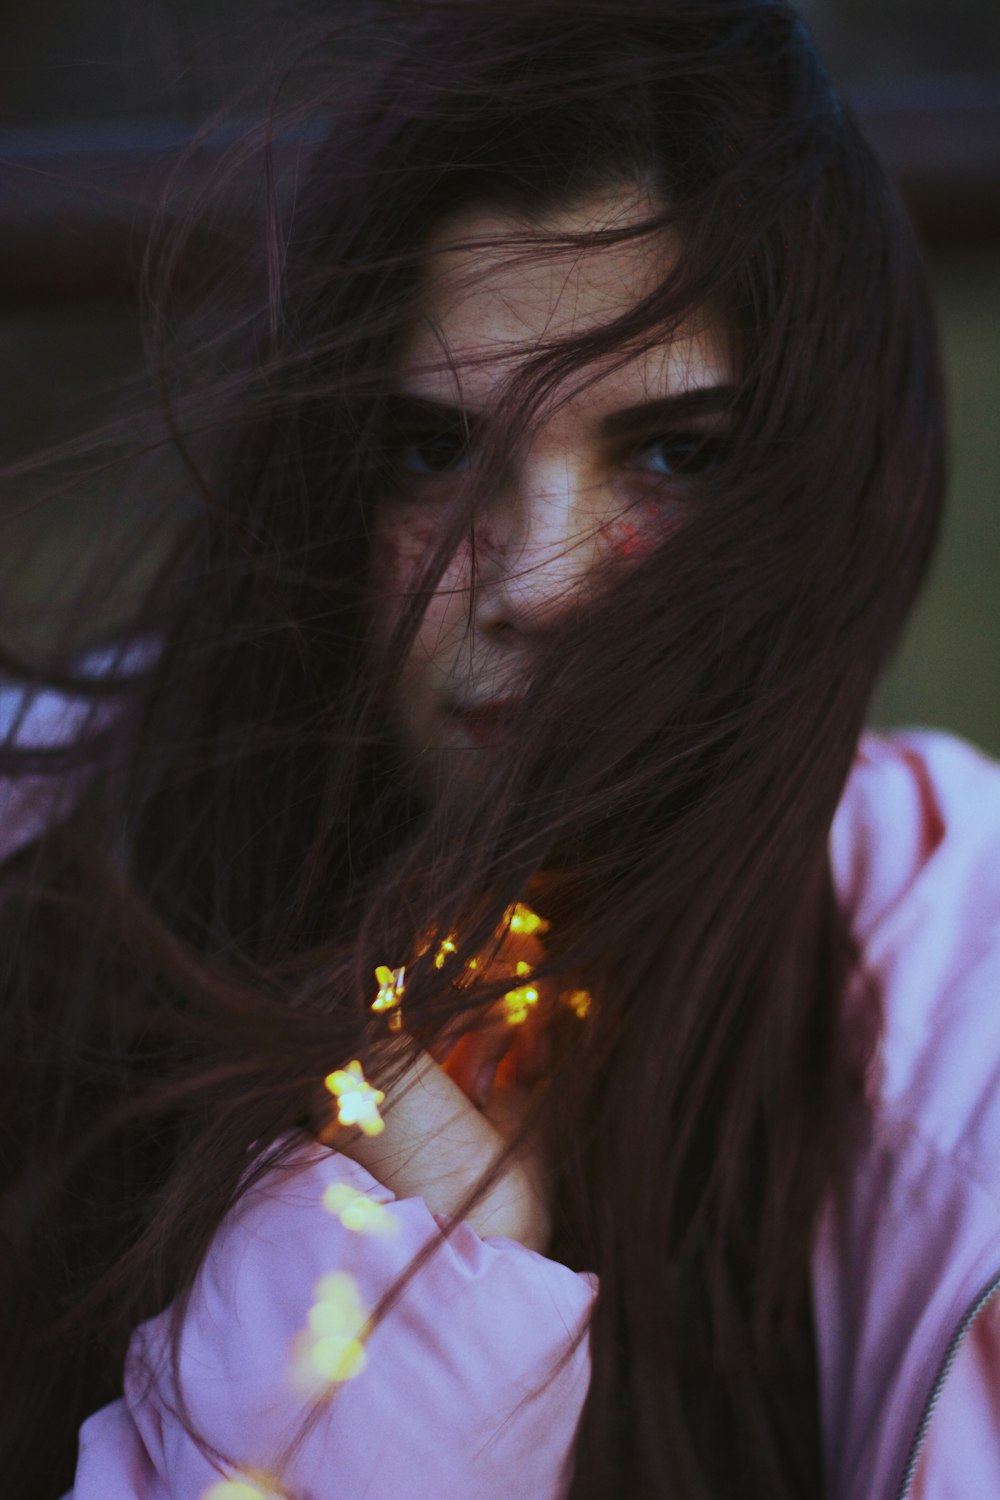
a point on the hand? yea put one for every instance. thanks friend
(513, 1056)
(436, 1144)
(501, 1067)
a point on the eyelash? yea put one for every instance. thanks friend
(704, 449)
(420, 444)
(702, 452)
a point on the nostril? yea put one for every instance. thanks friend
(501, 628)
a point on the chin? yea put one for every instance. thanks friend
(452, 772)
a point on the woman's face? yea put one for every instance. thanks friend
(589, 488)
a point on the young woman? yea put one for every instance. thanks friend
(479, 1018)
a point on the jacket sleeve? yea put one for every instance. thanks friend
(29, 803)
(280, 1385)
(912, 1240)
(45, 718)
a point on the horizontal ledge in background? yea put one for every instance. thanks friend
(76, 206)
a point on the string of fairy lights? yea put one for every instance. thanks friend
(330, 1349)
(357, 1100)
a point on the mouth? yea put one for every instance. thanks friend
(486, 724)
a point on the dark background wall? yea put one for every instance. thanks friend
(96, 95)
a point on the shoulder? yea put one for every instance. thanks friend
(920, 809)
(915, 851)
(39, 719)
(434, 1400)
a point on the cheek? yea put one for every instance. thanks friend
(400, 556)
(401, 552)
(403, 548)
(640, 530)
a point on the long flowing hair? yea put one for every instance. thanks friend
(188, 947)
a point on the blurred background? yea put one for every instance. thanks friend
(97, 97)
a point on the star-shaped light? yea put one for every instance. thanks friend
(331, 1348)
(391, 984)
(357, 1100)
(525, 921)
(518, 1003)
(446, 948)
(242, 1489)
(358, 1212)
(579, 1002)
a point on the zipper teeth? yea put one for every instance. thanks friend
(950, 1355)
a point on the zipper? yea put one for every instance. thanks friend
(955, 1343)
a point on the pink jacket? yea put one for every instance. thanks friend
(904, 1271)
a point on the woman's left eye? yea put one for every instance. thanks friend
(679, 454)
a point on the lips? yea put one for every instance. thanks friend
(489, 723)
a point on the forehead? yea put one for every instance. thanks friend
(491, 299)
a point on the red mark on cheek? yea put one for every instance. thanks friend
(404, 548)
(629, 541)
(485, 539)
(642, 529)
(400, 556)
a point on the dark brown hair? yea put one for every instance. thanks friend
(189, 948)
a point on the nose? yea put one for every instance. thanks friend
(537, 548)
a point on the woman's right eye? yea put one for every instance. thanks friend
(442, 453)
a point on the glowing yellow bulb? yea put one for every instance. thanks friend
(526, 921)
(579, 1002)
(391, 985)
(331, 1349)
(357, 1212)
(238, 1489)
(521, 968)
(447, 947)
(517, 1004)
(357, 1100)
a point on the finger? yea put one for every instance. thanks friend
(533, 1047)
(451, 1035)
(434, 1145)
(512, 1055)
(474, 1060)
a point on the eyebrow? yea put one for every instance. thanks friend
(669, 411)
(407, 409)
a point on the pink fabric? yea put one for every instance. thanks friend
(961, 1458)
(44, 718)
(29, 803)
(916, 857)
(436, 1411)
(441, 1407)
